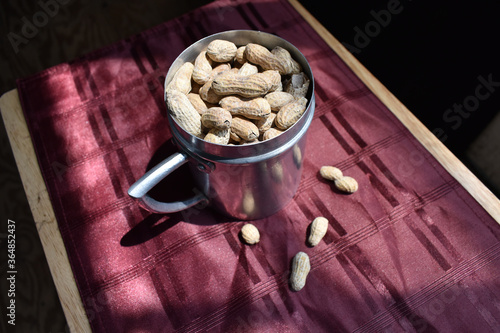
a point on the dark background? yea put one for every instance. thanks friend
(431, 56)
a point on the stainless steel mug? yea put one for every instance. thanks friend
(245, 182)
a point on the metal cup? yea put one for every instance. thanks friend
(245, 182)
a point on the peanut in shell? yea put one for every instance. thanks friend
(290, 113)
(254, 108)
(301, 267)
(216, 117)
(184, 112)
(244, 128)
(202, 68)
(221, 50)
(218, 136)
(182, 79)
(278, 99)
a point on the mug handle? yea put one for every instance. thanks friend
(139, 190)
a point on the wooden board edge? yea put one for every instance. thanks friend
(43, 212)
(440, 152)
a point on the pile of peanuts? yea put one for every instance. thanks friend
(238, 95)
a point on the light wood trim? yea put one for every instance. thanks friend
(444, 156)
(43, 212)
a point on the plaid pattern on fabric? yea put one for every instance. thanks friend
(410, 251)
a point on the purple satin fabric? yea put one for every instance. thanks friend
(410, 251)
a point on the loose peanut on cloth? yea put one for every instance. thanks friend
(250, 234)
(342, 183)
(346, 184)
(319, 227)
(300, 269)
(330, 172)
(251, 91)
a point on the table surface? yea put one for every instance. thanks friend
(43, 212)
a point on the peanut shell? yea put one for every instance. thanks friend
(221, 50)
(216, 117)
(271, 133)
(244, 128)
(330, 172)
(319, 227)
(184, 112)
(240, 55)
(298, 85)
(274, 79)
(250, 234)
(248, 69)
(265, 123)
(206, 92)
(202, 68)
(254, 85)
(218, 136)
(280, 61)
(290, 113)
(278, 99)
(182, 79)
(300, 269)
(289, 65)
(199, 104)
(346, 184)
(255, 108)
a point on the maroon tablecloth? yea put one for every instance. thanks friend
(410, 251)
